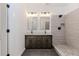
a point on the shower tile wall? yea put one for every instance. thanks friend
(72, 28)
(58, 35)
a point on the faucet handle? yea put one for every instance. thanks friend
(31, 32)
(45, 31)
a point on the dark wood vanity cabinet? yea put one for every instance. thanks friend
(38, 41)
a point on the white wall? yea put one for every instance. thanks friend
(3, 25)
(17, 29)
(72, 28)
(0, 31)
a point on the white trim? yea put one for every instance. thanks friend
(21, 52)
(57, 51)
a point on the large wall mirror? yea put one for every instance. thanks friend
(39, 22)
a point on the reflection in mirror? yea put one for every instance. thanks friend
(47, 25)
(34, 23)
(29, 23)
(44, 23)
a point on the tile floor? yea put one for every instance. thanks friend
(39, 52)
(66, 50)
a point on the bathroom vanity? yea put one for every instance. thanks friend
(38, 41)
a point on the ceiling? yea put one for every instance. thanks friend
(55, 8)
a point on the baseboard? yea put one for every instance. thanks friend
(22, 52)
(57, 51)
